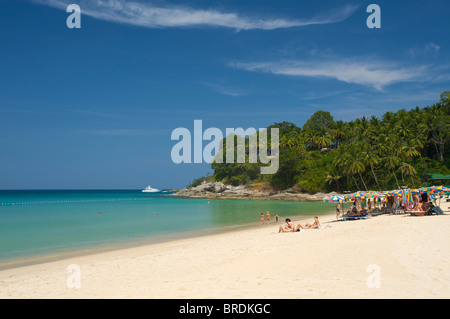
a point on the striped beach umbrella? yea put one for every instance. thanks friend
(376, 194)
(426, 189)
(388, 193)
(441, 189)
(334, 199)
(358, 195)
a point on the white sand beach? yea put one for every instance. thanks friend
(387, 256)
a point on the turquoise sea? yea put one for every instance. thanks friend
(38, 225)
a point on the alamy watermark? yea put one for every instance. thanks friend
(258, 143)
(374, 279)
(373, 20)
(74, 278)
(74, 19)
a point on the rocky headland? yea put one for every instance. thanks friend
(219, 190)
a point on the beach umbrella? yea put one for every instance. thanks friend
(426, 189)
(376, 194)
(334, 199)
(441, 189)
(358, 195)
(405, 197)
(397, 192)
(388, 193)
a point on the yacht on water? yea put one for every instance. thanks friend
(149, 189)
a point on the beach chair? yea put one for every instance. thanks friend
(353, 217)
(416, 212)
(376, 212)
(437, 210)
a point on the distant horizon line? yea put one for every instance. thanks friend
(77, 189)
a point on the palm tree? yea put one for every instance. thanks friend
(333, 176)
(408, 170)
(371, 159)
(340, 161)
(391, 161)
(338, 133)
(324, 140)
(355, 164)
(310, 139)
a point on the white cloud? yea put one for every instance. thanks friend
(152, 16)
(368, 73)
(223, 89)
(429, 50)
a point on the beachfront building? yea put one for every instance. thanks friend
(437, 179)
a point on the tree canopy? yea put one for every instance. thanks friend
(363, 154)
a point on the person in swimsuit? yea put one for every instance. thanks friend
(338, 210)
(262, 219)
(268, 217)
(314, 225)
(288, 228)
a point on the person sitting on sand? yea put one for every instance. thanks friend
(288, 228)
(314, 225)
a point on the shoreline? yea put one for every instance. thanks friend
(32, 260)
(42, 258)
(412, 253)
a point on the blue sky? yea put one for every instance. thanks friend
(95, 107)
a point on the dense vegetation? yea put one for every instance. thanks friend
(364, 154)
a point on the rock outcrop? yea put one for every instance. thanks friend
(219, 190)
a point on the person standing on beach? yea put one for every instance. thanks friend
(262, 219)
(268, 217)
(338, 210)
(276, 218)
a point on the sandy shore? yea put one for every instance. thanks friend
(388, 256)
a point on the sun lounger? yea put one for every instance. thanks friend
(417, 212)
(399, 211)
(376, 213)
(434, 209)
(437, 210)
(353, 217)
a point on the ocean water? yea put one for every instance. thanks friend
(40, 225)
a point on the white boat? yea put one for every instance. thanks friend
(149, 189)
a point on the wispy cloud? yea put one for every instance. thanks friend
(156, 16)
(223, 89)
(377, 74)
(429, 50)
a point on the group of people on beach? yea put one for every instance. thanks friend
(421, 203)
(352, 212)
(291, 227)
(268, 218)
